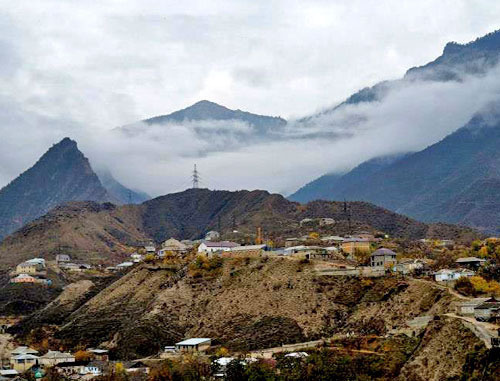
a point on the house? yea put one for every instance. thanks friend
(352, 245)
(52, 358)
(23, 350)
(459, 273)
(246, 251)
(209, 247)
(150, 249)
(23, 362)
(70, 368)
(408, 266)
(30, 268)
(23, 278)
(75, 267)
(467, 308)
(382, 258)
(62, 258)
(173, 246)
(99, 354)
(471, 262)
(212, 235)
(332, 239)
(194, 345)
(488, 310)
(445, 275)
(93, 368)
(39, 261)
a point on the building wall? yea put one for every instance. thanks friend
(22, 367)
(351, 247)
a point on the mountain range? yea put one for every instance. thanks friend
(454, 180)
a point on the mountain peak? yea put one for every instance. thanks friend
(208, 110)
(62, 174)
(65, 143)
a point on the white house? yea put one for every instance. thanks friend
(208, 247)
(445, 275)
(62, 258)
(52, 358)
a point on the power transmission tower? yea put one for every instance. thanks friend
(196, 178)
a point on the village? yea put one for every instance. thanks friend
(362, 255)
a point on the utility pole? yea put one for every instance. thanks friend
(196, 178)
(258, 240)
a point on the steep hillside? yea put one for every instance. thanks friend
(62, 174)
(328, 185)
(243, 305)
(88, 231)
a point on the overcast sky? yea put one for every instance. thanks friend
(80, 68)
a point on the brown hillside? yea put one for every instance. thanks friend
(104, 233)
(280, 299)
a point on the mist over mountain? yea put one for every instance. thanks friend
(62, 174)
(455, 180)
(325, 187)
(117, 190)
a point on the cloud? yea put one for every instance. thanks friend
(231, 155)
(80, 69)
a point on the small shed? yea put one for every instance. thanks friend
(194, 345)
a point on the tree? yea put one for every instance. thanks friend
(83, 356)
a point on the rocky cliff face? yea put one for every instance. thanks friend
(62, 174)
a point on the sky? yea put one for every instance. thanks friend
(80, 69)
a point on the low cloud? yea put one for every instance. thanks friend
(83, 69)
(411, 116)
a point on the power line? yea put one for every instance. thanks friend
(196, 178)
